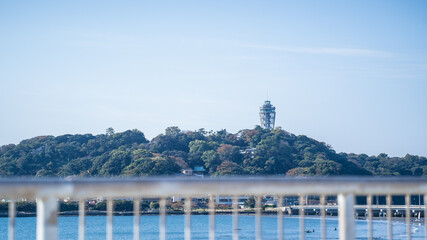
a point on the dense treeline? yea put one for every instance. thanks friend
(250, 151)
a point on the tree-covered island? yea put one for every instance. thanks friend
(255, 151)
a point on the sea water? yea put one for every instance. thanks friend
(123, 227)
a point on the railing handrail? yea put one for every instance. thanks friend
(189, 186)
(47, 191)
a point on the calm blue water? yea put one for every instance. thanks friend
(96, 227)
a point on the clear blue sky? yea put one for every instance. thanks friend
(353, 75)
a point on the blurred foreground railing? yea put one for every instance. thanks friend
(47, 192)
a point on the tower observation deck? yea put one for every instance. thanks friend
(267, 114)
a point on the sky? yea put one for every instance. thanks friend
(351, 74)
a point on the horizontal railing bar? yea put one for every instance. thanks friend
(169, 186)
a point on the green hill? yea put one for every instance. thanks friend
(250, 151)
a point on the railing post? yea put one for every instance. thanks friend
(346, 216)
(110, 210)
(211, 205)
(136, 218)
(301, 212)
(47, 228)
(258, 211)
(235, 218)
(82, 224)
(12, 215)
(323, 217)
(162, 223)
(187, 226)
(280, 218)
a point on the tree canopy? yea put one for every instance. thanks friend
(249, 152)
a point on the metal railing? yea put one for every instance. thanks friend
(47, 192)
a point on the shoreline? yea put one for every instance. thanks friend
(242, 213)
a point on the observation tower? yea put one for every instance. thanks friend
(267, 114)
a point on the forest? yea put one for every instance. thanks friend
(248, 152)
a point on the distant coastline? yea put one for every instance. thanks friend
(221, 212)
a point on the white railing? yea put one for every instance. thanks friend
(47, 192)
